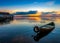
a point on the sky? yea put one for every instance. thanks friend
(27, 5)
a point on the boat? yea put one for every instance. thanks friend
(43, 30)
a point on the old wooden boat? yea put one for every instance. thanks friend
(43, 30)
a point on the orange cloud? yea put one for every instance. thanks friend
(58, 12)
(34, 15)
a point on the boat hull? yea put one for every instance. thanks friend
(43, 31)
(44, 28)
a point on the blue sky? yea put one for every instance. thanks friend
(21, 5)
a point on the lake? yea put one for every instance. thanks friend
(20, 30)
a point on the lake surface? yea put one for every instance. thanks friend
(21, 30)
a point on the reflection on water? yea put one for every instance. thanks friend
(20, 31)
(7, 21)
(43, 30)
(38, 19)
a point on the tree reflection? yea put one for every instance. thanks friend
(6, 21)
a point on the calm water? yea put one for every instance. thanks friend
(21, 31)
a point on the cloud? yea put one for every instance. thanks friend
(26, 13)
(44, 13)
(50, 3)
(53, 13)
